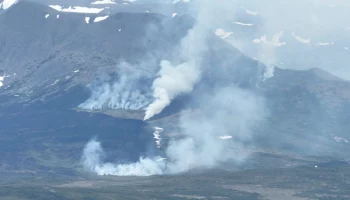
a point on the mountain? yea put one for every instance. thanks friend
(303, 41)
(49, 58)
(68, 41)
(106, 7)
(308, 109)
(64, 48)
(5, 4)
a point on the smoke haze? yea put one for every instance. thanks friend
(93, 160)
(299, 34)
(127, 92)
(229, 111)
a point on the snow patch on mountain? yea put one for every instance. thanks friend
(249, 12)
(275, 40)
(99, 2)
(7, 3)
(225, 137)
(87, 20)
(77, 9)
(1, 80)
(222, 33)
(243, 24)
(324, 43)
(98, 19)
(300, 39)
(178, 1)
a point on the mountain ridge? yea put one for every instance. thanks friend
(47, 71)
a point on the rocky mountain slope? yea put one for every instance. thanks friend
(48, 58)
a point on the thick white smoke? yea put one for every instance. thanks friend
(125, 93)
(183, 156)
(93, 160)
(180, 79)
(229, 112)
(172, 81)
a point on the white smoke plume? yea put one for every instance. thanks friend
(230, 111)
(93, 160)
(176, 80)
(125, 93)
(172, 81)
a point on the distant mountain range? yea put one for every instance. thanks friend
(48, 57)
(303, 42)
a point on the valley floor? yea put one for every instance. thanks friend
(300, 183)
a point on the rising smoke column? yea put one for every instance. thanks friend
(172, 81)
(193, 48)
